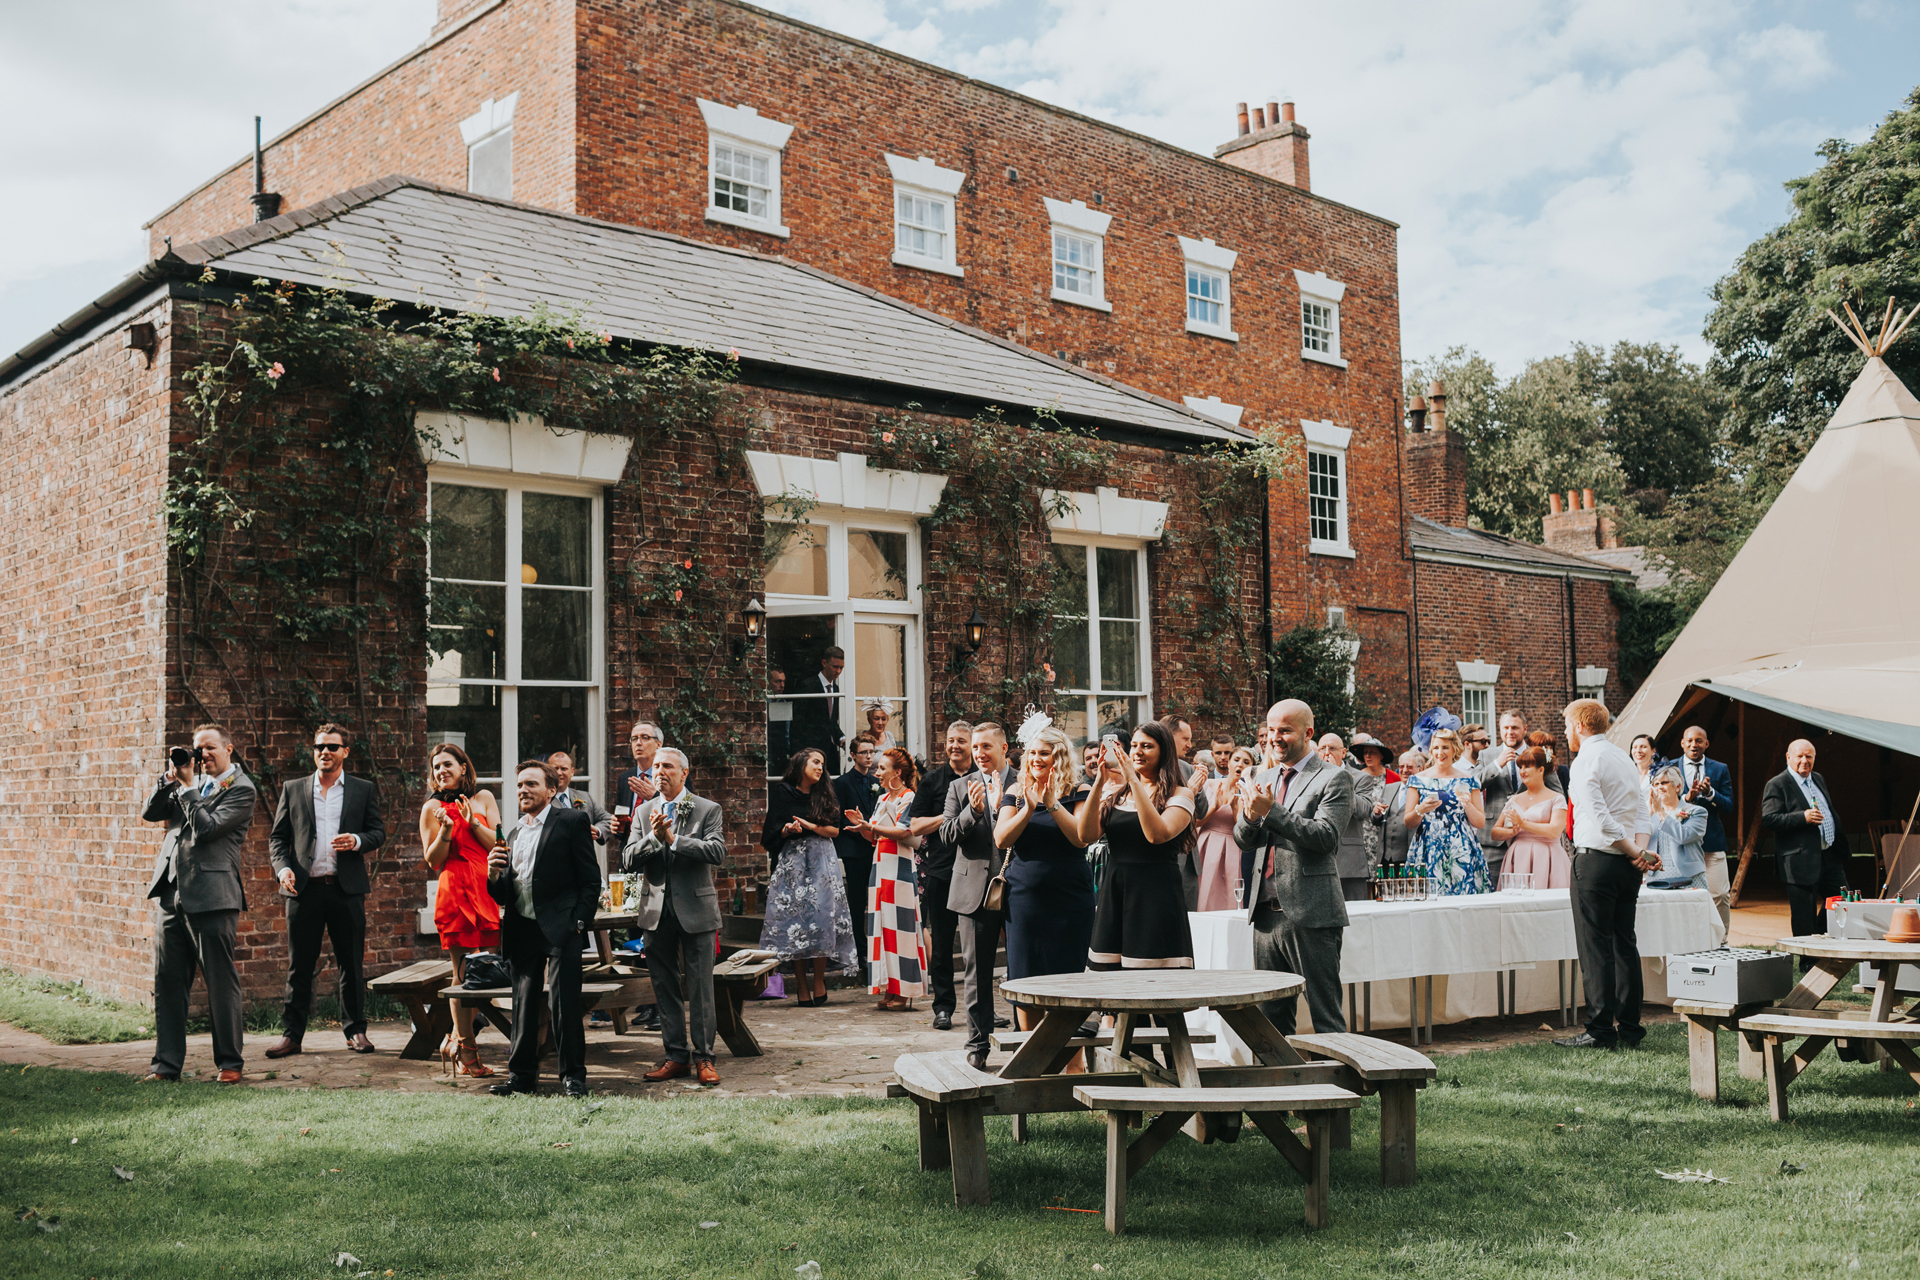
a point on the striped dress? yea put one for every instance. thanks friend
(896, 957)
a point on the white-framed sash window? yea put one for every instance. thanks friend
(1320, 299)
(1327, 487)
(924, 214)
(1209, 270)
(744, 150)
(1079, 239)
(488, 134)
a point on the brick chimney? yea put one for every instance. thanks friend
(1436, 462)
(1272, 143)
(1579, 526)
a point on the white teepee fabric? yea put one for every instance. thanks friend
(1818, 617)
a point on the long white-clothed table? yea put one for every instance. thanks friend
(1468, 945)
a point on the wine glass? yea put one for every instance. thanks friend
(1239, 891)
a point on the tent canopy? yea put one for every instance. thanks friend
(1818, 616)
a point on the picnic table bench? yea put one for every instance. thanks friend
(1705, 1022)
(1396, 1074)
(482, 1000)
(736, 980)
(416, 986)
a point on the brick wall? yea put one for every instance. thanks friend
(1437, 477)
(82, 475)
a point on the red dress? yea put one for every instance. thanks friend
(464, 913)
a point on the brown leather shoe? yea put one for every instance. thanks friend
(708, 1075)
(668, 1070)
(163, 1077)
(360, 1043)
(286, 1048)
(229, 1076)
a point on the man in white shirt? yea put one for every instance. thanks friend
(1610, 828)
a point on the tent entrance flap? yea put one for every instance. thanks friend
(1885, 733)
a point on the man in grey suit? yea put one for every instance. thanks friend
(196, 887)
(1359, 849)
(568, 798)
(324, 826)
(1289, 832)
(1391, 807)
(1499, 782)
(678, 839)
(973, 802)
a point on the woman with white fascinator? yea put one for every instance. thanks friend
(1050, 901)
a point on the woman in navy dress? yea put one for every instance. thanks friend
(1049, 886)
(1148, 821)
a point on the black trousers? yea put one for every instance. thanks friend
(979, 943)
(855, 871)
(1606, 900)
(184, 942)
(941, 925)
(325, 909)
(541, 981)
(1807, 903)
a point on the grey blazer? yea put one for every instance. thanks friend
(1496, 789)
(1304, 835)
(290, 841)
(699, 845)
(970, 835)
(205, 836)
(1391, 825)
(1359, 845)
(596, 813)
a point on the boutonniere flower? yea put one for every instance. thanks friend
(227, 781)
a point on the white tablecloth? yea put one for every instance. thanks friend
(1463, 943)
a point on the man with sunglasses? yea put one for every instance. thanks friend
(324, 826)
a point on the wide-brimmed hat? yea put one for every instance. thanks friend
(1361, 741)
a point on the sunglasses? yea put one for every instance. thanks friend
(318, 747)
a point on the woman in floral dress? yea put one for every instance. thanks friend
(1444, 810)
(896, 958)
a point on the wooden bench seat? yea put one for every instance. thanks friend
(415, 986)
(1705, 1022)
(1268, 1107)
(736, 980)
(1012, 1040)
(1396, 1073)
(1817, 1028)
(484, 1001)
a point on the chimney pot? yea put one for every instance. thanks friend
(1273, 113)
(1553, 504)
(1417, 414)
(1259, 118)
(1437, 388)
(1242, 109)
(1586, 499)
(1286, 111)
(1573, 500)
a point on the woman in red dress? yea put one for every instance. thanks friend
(457, 828)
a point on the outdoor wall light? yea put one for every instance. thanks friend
(754, 616)
(975, 630)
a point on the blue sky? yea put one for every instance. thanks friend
(1576, 171)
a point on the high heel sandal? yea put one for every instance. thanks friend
(469, 1063)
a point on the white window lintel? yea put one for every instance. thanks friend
(1325, 435)
(1206, 253)
(493, 116)
(1106, 513)
(1075, 216)
(1316, 284)
(526, 446)
(1216, 408)
(924, 174)
(1477, 672)
(846, 481)
(746, 124)
(1590, 678)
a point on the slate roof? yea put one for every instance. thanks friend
(1433, 541)
(416, 242)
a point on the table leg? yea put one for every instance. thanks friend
(934, 1152)
(1413, 1012)
(1019, 1119)
(967, 1145)
(1122, 1035)
(603, 944)
(1429, 1008)
(729, 1000)
(1116, 1172)
(1752, 1065)
(1815, 984)
(1366, 1006)
(1056, 1028)
(432, 1021)
(1884, 998)
(1342, 1130)
(1266, 1040)
(1200, 1128)
(1776, 1078)
(1703, 1057)
(1397, 1099)
(1320, 1162)
(1900, 1053)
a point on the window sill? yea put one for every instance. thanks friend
(1323, 358)
(1212, 331)
(745, 223)
(926, 264)
(1317, 547)
(1082, 300)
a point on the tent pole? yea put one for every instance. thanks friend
(1895, 861)
(1746, 859)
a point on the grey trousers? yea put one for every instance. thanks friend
(979, 942)
(1314, 954)
(687, 1017)
(182, 943)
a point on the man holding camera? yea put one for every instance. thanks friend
(324, 826)
(199, 897)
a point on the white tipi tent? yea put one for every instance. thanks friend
(1818, 617)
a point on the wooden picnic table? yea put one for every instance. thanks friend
(1885, 1025)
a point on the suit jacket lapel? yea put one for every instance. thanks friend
(308, 820)
(1301, 779)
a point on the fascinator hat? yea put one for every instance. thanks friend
(1431, 722)
(1036, 723)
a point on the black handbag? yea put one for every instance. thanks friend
(486, 971)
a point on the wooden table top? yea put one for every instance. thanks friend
(622, 919)
(1870, 949)
(1154, 990)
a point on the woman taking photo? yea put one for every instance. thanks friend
(1445, 805)
(1531, 825)
(458, 826)
(896, 959)
(1216, 858)
(1049, 886)
(807, 916)
(1141, 922)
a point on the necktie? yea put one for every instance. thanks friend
(566, 801)
(206, 788)
(833, 704)
(1279, 801)
(1513, 778)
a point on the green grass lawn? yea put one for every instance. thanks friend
(68, 1013)
(1533, 1161)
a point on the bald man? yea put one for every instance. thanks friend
(1289, 832)
(1809, 845)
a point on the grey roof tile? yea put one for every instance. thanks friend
(1436, 539)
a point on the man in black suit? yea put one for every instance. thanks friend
(816, 720)
(324, 826)
(198, 894)
(943, 925)
(856, 789)
(1809, 845)
(547, 883)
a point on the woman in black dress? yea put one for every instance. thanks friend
(1049, 887)
(1142, 920)
(807, 917)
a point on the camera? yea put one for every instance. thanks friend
(182, 756)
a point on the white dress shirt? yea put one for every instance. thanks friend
(326, 824)
(1608, 797)
(526, 842)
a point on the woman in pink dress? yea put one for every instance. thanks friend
(1531, 824)
(1215, 855)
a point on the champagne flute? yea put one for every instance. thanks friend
(1239, 891)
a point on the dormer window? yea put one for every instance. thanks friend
(488, 134)
(1079, 254)
(743, 163)
(1209, 270)
(1320, 317)
(923, 214)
